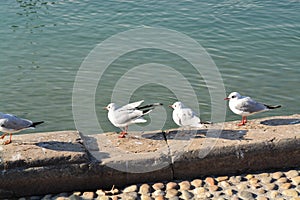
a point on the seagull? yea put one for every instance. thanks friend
(10, 124)
(246, 106)
(184, 116)
(126, 115)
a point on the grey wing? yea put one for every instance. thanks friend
(249, 105)
(125, 116)
(16, 123)
(132, 105)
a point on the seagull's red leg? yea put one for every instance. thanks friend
(244, 120)
(8, 141)
(123, 133)
(3, 135)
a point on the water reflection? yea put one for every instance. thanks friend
(31, 12)
(31, 20)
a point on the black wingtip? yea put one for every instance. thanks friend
(36, 123)
(206, 122)
(146, 111)
(151, 106)
(272, 107)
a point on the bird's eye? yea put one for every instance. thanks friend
(233, 96)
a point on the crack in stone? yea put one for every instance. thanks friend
(169, 153)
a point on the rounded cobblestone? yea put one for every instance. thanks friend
(246, 195)
(270, 186)
(157, 193)
(291, 174)
(146, 197)
(186, 195)
(296, 180)
(277, 175)
(171, 185)
(261, 186)
(131, 188)
(282, 180)
(158, 186)
(224, 184)
(144, 189)
(197, 183)
(184, 185)
(222, 178)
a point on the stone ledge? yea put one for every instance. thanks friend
(55, 162)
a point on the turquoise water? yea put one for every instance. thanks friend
(255, 45)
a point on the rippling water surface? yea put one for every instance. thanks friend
(255, 45)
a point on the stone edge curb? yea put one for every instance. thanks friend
(91, 174)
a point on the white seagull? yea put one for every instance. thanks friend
(246, 106)
(10, 124)
(132, 113)
(184, 116)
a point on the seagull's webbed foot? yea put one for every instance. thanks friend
(243, 122)
(7, 141)
(122, 134)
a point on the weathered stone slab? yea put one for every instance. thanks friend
(43, 149)
(268, 143)
(136, 154)
(36, 163)
(65, 161)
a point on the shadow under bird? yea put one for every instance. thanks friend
(126, 115)
(245, 106)
(10, 124)
(184, 116)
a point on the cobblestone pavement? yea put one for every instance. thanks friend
(262, 186)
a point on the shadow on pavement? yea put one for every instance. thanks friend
(278, 122)
(181, 134)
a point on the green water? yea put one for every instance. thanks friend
(254, 44)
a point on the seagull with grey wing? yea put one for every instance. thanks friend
(184, 116)
(246, 106)
(126, 115)
(10, 124)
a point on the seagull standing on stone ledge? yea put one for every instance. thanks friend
(132, 113)
(10, 124)
(184, 116)
(246, 106)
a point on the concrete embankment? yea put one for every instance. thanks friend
(55, 162)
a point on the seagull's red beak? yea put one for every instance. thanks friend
(227, 99)
(105, 108)
(171, 106)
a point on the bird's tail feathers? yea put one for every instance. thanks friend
(151, 106)
(272, 107)
(36, 123)
(206, 122)
(145, 112)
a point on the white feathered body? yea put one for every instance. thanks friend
(184, 116)
(129, 114)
